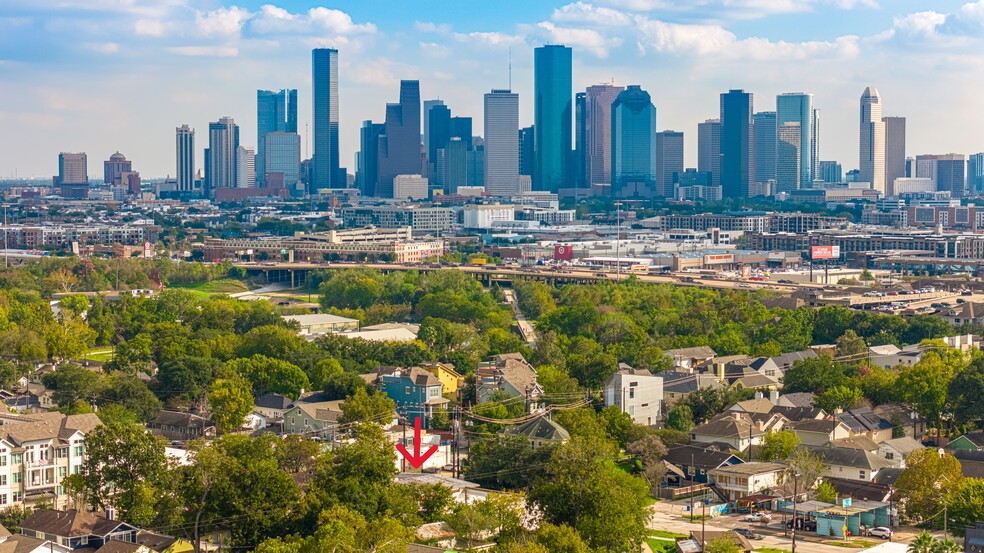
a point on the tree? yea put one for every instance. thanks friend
(357, 474)
(724, 544)
(807, 465)
(925, 385)
(131, 393)
(121, 462)
(133, 355)
(266, 374)
(230, 401)
(778, 445)
(966, 505)
(826, 492)
(680, 418)
(296, 453)
(922, 543)
(837, 397)
(505, 462)
(186, 377)
(72, 384)
(361, 407)
(927, 482)
(617, 423)
(813, 375)
(947, 545)
(649, 451)
(560, 539)
(966, 392)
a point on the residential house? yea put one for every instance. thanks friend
(445, 372)
(898, 449)
(865, 421)
(971, 441)
(116, 546)
(438, 533)
(78, 529)
(415, 391)
(797, 399)
(462, 491)
(964, 313)
(737, 481)
(690, 358)
(315, 417)
(510, 374)
(678, 385)
(904, 419)
(37, 452)
(272, 405)
(889, 355)
(786, 360)
(818, 432)
(736, 429)
(851, 464)
(19, 543)
(322, 323)
(540, 431)
(971, 462)
(858, 490)
(179, 425)
(861, 442)
(695, 460)
(162, 543)
(637, 392)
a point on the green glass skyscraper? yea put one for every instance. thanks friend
(553, 116)
(737, 145)
(325, 173)
(797, 107)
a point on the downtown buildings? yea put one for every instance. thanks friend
(553, 116)
(325, 172)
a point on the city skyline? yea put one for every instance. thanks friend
(195, 64)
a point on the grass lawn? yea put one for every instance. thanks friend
(771, 550)
(661, 546)
(854, 543)
(667, 535)
(102, 355)
(220, 286)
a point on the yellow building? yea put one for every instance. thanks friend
(445, 373)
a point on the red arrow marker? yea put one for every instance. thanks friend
(416, 459)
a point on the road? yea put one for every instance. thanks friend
(525, 328)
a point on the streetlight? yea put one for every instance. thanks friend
(795, 491)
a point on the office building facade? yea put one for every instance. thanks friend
(894, 149)
(737, 146)
(245, 167)
(669, 161)
(455, 165)
(950, 174)
(115, 167)
(633, 145)
(73, 168)
(975, 174)
(282, 154)
(501, 143)
(788, 157)
(598, 131)
(526, 151)
(709, 149)
(184, 148)
(766, 134)
(275, 112)
(580, 166)
(438, 131)
(399, 146)
(797, 107)
(325, 171)
(553, 116)
(428, 104)
(831, 171)
(871, 165)
(220, 157)
(368, 159)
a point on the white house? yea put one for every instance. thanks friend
(737, 481)
(636, 392)
(897, 450)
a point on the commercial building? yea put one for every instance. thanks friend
(420, 219)
(501, 148)
(872, 149)
(30, 237)
(553, 115)
(766, 132)
(275, 112)
(669, 161)
(633, 144)
(485, 216)
(114, 167)
(894, 149)
(245, 168)
(428, 105)
(437, 130)
(73, 175)
(750, 222)
(598, 132)
(709, 149)
(350, 245)
(737, 147)
(184, 147)
(411, 187)
(325, 167)
(220, 157)
(367, 174)
(282, 155)
(797, 108)
(831, 171)
(399, 146)
(950, 169)
(788, 157)
(975, 174)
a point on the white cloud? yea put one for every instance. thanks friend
(273, 19)
(338, 21)
(738, 9)
(205, 51)
(223, 21)
(489, 39)
(919, 25)
(149, 27)
(106, 47)
(435, 50)
(429, 27)
(588, 39)
(583, 12)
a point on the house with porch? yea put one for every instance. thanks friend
(850, 464)
(78, 529)
(695, 460)
(738, 430)
(415, 391)
(736, 481)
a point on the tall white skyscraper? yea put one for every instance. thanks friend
(185, 158)
(871, 166)
(245, 167)
(502, 142)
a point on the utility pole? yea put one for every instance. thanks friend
(795, 492)
(618, 241)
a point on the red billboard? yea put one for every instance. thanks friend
(825, 252)
(565, 253)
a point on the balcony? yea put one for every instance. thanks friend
(40, 463)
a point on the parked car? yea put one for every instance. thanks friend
(807, 524)
(757, 517)
(748, 533)
(967, 293)
(880, 532)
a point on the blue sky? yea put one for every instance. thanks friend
(106, 75)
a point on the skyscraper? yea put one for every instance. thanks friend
(789, 157)
(223, 144)
(526, 153)
(73, 168)
(580, 168)
(894, 149)
(709, 149)
(438, 132)
(275, 112)
(669, 161)
(245, 167)
(455, 165)
(737, 148)
(871, 165)
(633, 144)
(797, 107)
(501, 143)
(830, 171)
(552, 116)
(367, 171)
(461, 127)
(598, 131)
(114, 167)
(766, 133)
(950, 174)
(184, 147)
(399, 147)
(282, 155)
(428, 104)
(325, 172)
(975, 174)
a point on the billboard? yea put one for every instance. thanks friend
(148, 251)
(746, 271)
(565, 253)
(825, 252)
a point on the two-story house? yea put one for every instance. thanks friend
(78, 529)
(637, 392)
(689, 358)
(510, 374)
(850, 464)
(736, 481)
(865, 421)
(415, 391)
(450, 379)
(314, 417)
(738, 430)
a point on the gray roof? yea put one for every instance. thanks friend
(855, 458)
(698, 352)
(271, 400)
(800, 399)
(730, 424)
(702, 457)
(904, 445)
(888, 475)
(540, 428)
(863, 420)
(787, 359)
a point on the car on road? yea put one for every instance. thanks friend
(748, 533)
(880, 532)
(784, 281)
(757, 517)
(967, 293)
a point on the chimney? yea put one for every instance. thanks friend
(720, 371)
(774, 397)
(110, 513)
(758, 395)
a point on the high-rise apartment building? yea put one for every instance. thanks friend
(553, 116)
(975, 174)
(282, 155)
(797, 107)
(115, 167)
(367, 172)
(526, 151)
(633, 144)
(501, 143)
(788, 157)
(894, 149)
(831, 171)
(598, 131)
(220, 157)
(737, 148)
(765, 132)
(669, 161)
(399, 147)
(709, 149)
(275, 112)
(871, 166)
(184, 147)
(325, 171)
